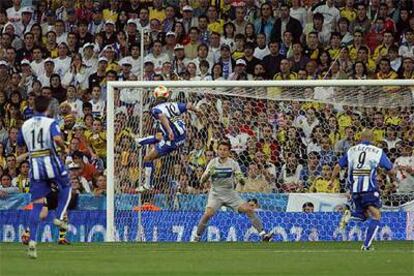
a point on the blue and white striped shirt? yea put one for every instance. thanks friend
(173, 112)
(362, 161)
(38, 133)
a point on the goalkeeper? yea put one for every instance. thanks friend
(223, 172)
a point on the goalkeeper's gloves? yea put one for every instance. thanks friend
(240, 178)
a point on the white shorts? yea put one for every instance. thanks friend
(229, 198)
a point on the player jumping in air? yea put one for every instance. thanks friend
(172, 131)
(223, 172)
(362, 161)
(40, 134)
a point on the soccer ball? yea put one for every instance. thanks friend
(161, 91)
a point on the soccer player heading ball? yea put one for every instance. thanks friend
(170, 136)
(223, 172)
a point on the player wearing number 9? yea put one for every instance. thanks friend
(362, 161)
(170, 135)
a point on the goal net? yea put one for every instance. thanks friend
(286, 137)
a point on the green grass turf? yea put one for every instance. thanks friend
(317, 258)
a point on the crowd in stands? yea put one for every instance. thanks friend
(68, 50)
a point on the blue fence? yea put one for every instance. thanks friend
(89, 226)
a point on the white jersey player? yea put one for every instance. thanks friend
(224, 172)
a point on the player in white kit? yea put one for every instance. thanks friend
(223, 172)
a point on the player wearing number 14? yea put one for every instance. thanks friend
(171, 133)
(40, 134)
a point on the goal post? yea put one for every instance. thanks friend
(131, 99)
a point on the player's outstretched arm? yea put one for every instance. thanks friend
(193, 108)
(210, 170)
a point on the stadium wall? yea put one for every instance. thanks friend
(179, 226)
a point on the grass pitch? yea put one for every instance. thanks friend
(316, 258)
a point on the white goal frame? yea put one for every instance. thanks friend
(110, 172)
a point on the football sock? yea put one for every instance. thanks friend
(256, 222)
(372, 231)
(202, 226)
(34, 219)
(63, 231)
(149, 168)
(64, 196)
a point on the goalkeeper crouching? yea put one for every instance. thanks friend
(223, 172)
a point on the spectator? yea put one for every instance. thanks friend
(264, 24)
(289, 178)
(298, 12)
(228, 64)
(253, 202)
(348, 141)
(407, 48)
(6, 187)
(361, 22)
(98, 105)
(381, 51)
(239, 21)
(285, 23)
(22, 181)
(99, 184)
(330, 13)
(407, 71)
(261, 49)
(255, 182)
(97, 140)
(385, 71)
(391, 137)
(405, 169)
(86, 170)
(240, 71)
(266, 168)
(308, 207)
(311, 170)
(321, 183)
(318, 28)
(272, 61)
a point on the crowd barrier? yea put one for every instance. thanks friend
(179, 226)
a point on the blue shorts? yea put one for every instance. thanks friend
(41, 188)
(363, 200)
(166, 146)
